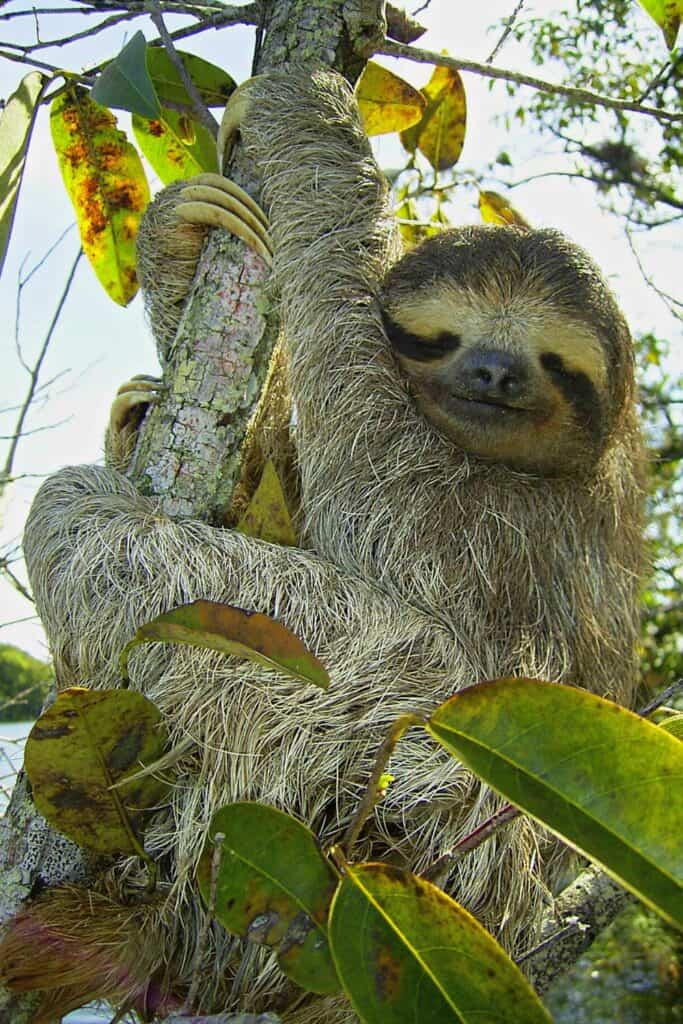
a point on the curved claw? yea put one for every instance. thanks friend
(218, 202)
(233, 116)
(131, 397)
(127, 412)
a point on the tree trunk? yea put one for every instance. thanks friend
(189, 452)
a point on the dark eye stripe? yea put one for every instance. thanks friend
(413, 346)
(578, 390)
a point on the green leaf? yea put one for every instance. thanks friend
(273, 887)
(593, 772)
(106, 183)
(386, 102)
(83, 744)
(668, 14)
(673, 725)
(221, 627)
(441, 133)
(267, 516)
(405, 953)
(214, 84)
(176, 146)
(125, 83)
(16, 125)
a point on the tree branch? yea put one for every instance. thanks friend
(34, 374)
(393, 49)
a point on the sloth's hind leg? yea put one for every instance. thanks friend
(214, 201)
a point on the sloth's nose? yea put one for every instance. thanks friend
(490, 373)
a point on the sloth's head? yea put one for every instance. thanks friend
(513, 345)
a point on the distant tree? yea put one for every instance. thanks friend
(24, 683)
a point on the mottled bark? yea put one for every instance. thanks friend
(575, 920)
(189, 450)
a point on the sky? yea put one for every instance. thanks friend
(98, 345)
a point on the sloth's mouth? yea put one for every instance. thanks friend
(488, 408)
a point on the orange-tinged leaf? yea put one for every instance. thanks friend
(273, 887)
(106, 183)
(176, 146)
(222, 627)
(495, 209)
(267, 516)
(386, 102)
(441, 133)
(87, 741)
(406, 952)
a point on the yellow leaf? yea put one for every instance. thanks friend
(267, 516)
(441, 133)
(668, 14)
(495, 209)
(386, 102)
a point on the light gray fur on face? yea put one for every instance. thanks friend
(425, 569)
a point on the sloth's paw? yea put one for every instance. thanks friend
(214, 201)
(127, 413)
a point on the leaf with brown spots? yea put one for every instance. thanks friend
(586, 769)
(106, 183)
(176, 146)
(83, 744)
(267, 516)
(405, 952)
(386, 102)
(222, 627)
(273, 887)
(441, 133)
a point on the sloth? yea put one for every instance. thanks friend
(470, 471)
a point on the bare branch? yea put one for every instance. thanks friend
(392, 49)
(509, 23)
(6, 472)
(669, 300)
(204, 115)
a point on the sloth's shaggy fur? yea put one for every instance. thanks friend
(424, 570)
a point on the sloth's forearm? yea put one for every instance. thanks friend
(333, 236)
(102, 560)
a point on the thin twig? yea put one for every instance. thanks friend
(203, 113)
(34, 374)
(509, 23)
(392, 49)
(471, 841)
(661, 698)
(669, 300)
(115, 19)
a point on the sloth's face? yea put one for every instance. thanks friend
(515, 381)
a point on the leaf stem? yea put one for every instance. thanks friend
(371, 796)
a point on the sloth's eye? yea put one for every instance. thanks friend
(416, 346)
(554, 364)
